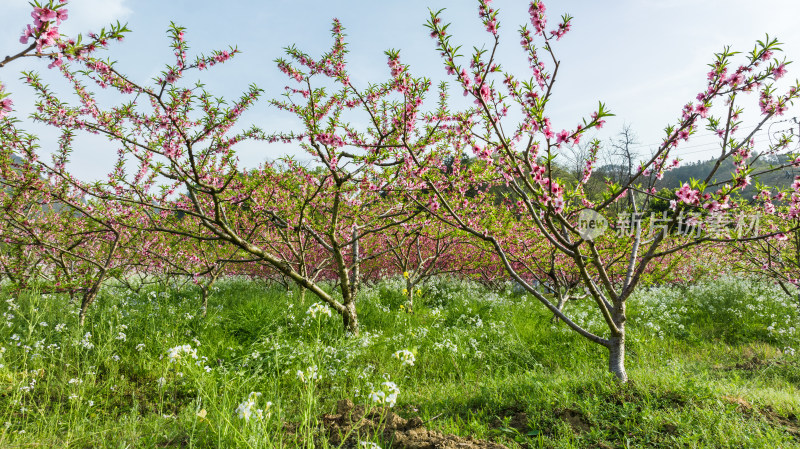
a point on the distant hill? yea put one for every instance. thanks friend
(673, 179)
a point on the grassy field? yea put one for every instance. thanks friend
(712, 365)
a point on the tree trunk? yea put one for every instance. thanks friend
(350, 318)
(562, 300)
(207, 290)
(355, 272)
(204, 306)
(303, 272)
(410, 290)
(616, 357)
(88, 299)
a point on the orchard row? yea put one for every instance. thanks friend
(403, 182)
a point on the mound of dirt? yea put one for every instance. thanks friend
(575, 419)
(353, 423)
(516, 420)
(789, 423)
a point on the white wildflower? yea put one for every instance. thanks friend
(405, 356)
(318, 308)
(248, 408)
(311, 373)
(85, 342)
(177, 353)
(387, 395)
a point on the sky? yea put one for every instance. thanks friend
(643, 58)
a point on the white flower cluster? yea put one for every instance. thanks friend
(29, 387)
(11, 304)
(405, 356)
(387, 395)
(177, 353)
(446, 344)
(86, 343)
(318, 309)
(247, 409)
(311, 373)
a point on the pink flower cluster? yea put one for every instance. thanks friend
(554, 195)
(538, 18)
(779, 71)
(687, 195)
(291, 71)
(488, 16)
(331, 140)
(484, 153)
(5, 103)
(562, 29)
(395, 66)
(600, 122)
(45, 27)
(5, 106)
(769, 104)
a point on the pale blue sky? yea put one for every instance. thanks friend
(644, 59)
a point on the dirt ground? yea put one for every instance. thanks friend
(353, 423)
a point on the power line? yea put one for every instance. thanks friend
(704, 135)
(716, 148)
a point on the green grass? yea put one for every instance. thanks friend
(711, 365)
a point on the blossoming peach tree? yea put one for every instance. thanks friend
(518, 150)
(180, 140)
(775, 259)
(423, 249)
(53, 237)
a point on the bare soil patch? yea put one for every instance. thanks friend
(575, 419)
(789, 423)
(353, 423)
